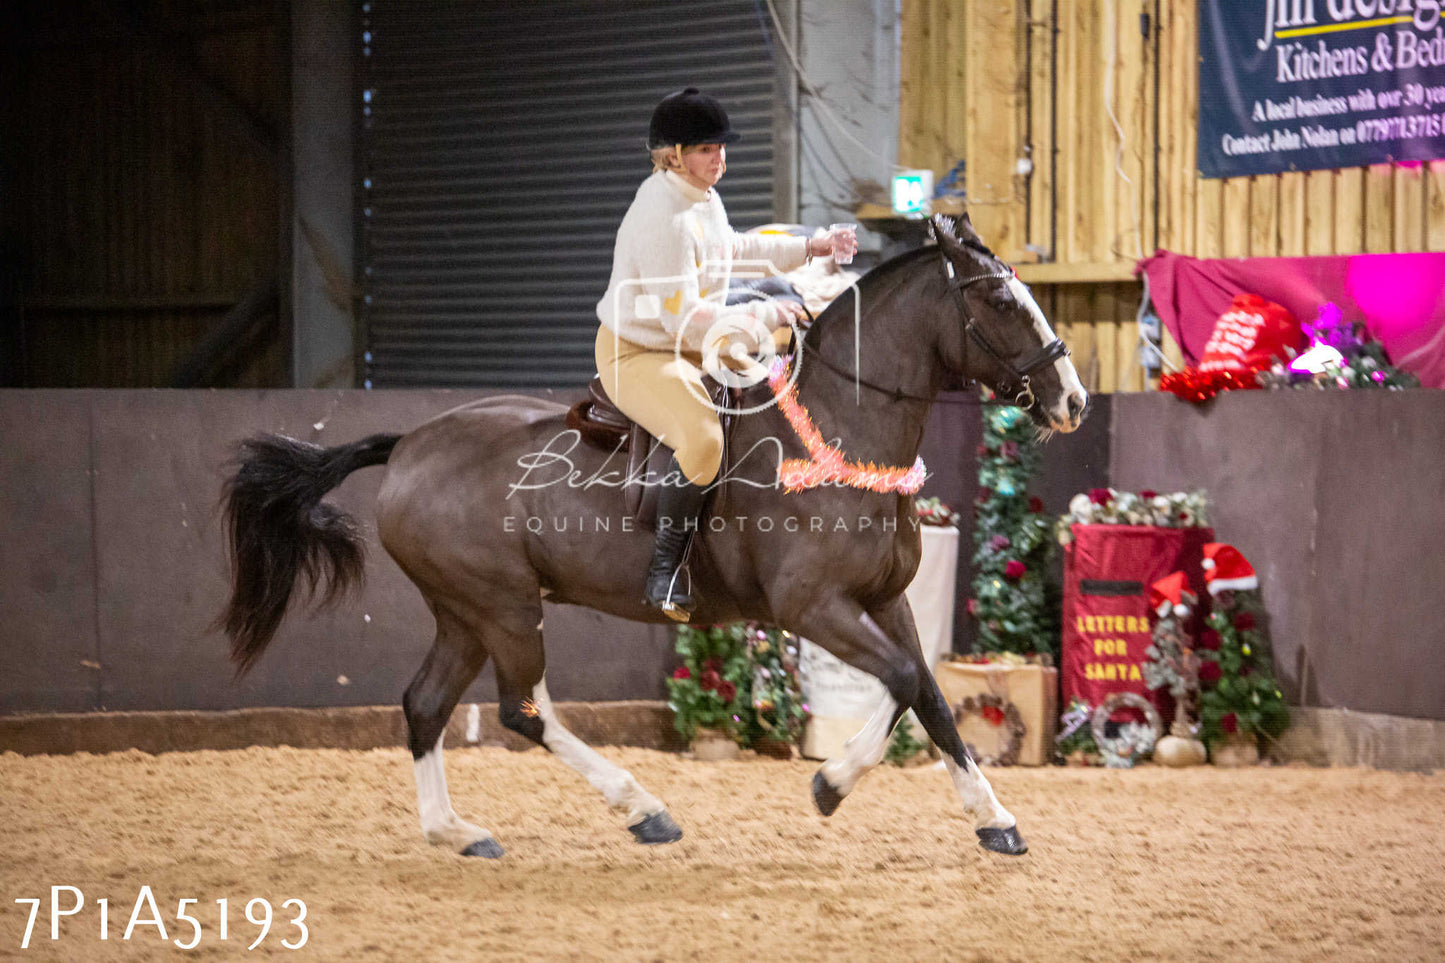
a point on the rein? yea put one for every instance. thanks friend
(1021, 373)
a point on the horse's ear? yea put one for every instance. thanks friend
(965, 229)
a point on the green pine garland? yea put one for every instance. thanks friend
(1011, 601)
(1238, 692)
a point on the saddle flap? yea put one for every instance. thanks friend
(647, 462)
(599, 421)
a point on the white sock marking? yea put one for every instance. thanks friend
(863, 751)
(616, 784)
(977, 796)
(439, 823)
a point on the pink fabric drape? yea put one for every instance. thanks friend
(1400, 297)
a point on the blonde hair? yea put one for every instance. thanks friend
(670, 158)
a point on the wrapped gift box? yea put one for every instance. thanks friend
(1030, 689)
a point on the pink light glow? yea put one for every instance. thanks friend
(1397, 293)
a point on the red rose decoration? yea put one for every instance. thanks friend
(1148, 493)
(710, 680)
(1209, 639)
(1036, 504)
(1209, 672)
(728, 691)
(981, 451)
(1099, 496)
(972, 606)
(1229, 722)
(1244, 621)
(682, 673)
(1014, 570)
(984, 494)
(993, 714)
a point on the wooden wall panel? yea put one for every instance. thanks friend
(1079, 58)
(147, 205)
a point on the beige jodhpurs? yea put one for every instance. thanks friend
(652, 388)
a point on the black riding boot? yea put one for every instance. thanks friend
(678, 509)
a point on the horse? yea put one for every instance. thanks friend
(455, 512)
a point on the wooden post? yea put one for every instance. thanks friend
(993, 145)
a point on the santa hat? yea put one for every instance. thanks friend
(1225, 569)
(1171, 594)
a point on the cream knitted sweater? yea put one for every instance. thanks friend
(675, 253)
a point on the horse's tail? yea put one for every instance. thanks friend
(279, 528)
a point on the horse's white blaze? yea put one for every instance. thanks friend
(977, 796)
(1064, 368)
(616, 784)
(862, 752)
(439, 823)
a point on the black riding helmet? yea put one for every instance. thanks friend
(689, 117)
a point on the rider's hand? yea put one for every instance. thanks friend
(790, 311)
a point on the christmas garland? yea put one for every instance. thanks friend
(996, 711)
(1013, 602)
(828, 465)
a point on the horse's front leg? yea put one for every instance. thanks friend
(843, 628)
(996, 827)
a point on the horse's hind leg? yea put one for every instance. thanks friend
(515, 641)
(453, 662)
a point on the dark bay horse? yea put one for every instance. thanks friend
(494, 506)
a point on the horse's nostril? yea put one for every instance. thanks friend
(1076, 405)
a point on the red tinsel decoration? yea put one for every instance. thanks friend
(1199, 386)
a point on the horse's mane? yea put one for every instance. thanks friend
(884, 273)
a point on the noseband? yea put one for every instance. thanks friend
(1020, 371)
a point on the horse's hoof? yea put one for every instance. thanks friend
(485, 848)
(825, 797)
(656, 828)
(1006, 841)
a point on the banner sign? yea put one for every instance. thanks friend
(1289, 85)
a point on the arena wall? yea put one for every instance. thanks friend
(112, 565)
(1335, 498)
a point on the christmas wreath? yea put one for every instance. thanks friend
(1134, 740)
(996, 711)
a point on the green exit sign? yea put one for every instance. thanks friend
(912, 190)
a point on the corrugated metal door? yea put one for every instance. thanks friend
(501, 145)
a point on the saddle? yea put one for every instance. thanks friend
(603, 426)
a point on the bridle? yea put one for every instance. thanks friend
(1021, 373)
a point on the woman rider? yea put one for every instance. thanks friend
(670, 274)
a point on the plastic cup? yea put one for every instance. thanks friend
(845, 242)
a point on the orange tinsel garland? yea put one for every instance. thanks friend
(828, 465)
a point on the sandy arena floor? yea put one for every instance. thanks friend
(1204, 864)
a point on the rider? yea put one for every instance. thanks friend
(670, 274)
